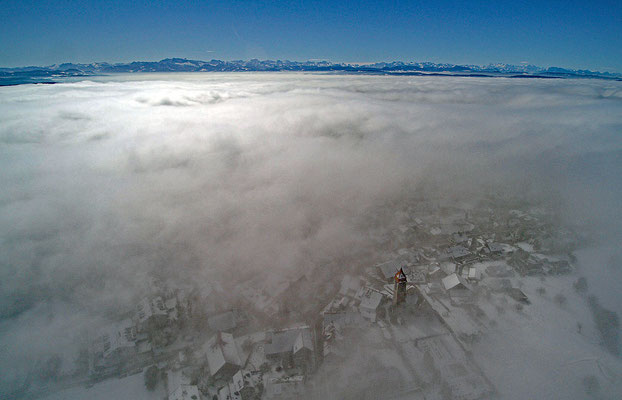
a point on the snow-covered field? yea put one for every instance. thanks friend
(129, 388)
(540, 352)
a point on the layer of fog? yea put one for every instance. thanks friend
(108, 183)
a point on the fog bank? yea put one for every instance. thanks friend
(111, 183)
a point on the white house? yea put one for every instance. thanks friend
(370, 301)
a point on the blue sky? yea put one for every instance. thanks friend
(546, 33)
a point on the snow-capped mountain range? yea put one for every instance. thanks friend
(33, 74)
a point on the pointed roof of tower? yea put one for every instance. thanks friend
(400, 276)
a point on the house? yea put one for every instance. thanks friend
(417, 276)
(471, 274)
(455, 253)
(455, 282)
(350, 285)
(235, 389)
(408, 256)
(388, 269)
(333, 327)
(151, 312)
(435, 272)
(448, 267)
(114, 345)
(526, 264)
(370, 301)
(495, 249)
(118, 341)
(179, 387)
(344, 319)
(518, 295)
(292, 347)
(458, 289)
(284, 388)
(222, 355)
(185, 392)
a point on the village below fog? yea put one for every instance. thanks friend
(437, 281)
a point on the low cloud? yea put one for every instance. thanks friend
(202, 177)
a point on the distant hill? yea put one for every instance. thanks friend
(48, 74)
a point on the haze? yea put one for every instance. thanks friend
(111, 183)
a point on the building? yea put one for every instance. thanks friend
(495, 249)
(179, 387)
(284, 388)
(399, 289)
(223, 358)
(350, 285)
(292, 347)
(185, 392)
(456, 253)
(119, 341)
(518, 295)
(370, 301)
(115, 344)
(458, 289)
(471, 274)
(151, 312)
(388, 269)
(454, 282)
(236, 389)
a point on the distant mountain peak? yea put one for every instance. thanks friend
(176, 64)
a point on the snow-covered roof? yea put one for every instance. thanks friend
(120, 335)
(454, 281)
(174, 379)
(474, 273)
(237, 382)
(389, 268)
(303, 341)
(370, 299)
(221, 349)
(179, 387)
(455, 252)
(496, 247)
(226, 393)
(291, 340)
(285, 388)
(185, 392)
(147, 308)
(349, 285)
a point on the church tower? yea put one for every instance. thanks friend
(399, 290)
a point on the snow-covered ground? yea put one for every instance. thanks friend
(129, 388)
(541, 351)
(602, 266)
